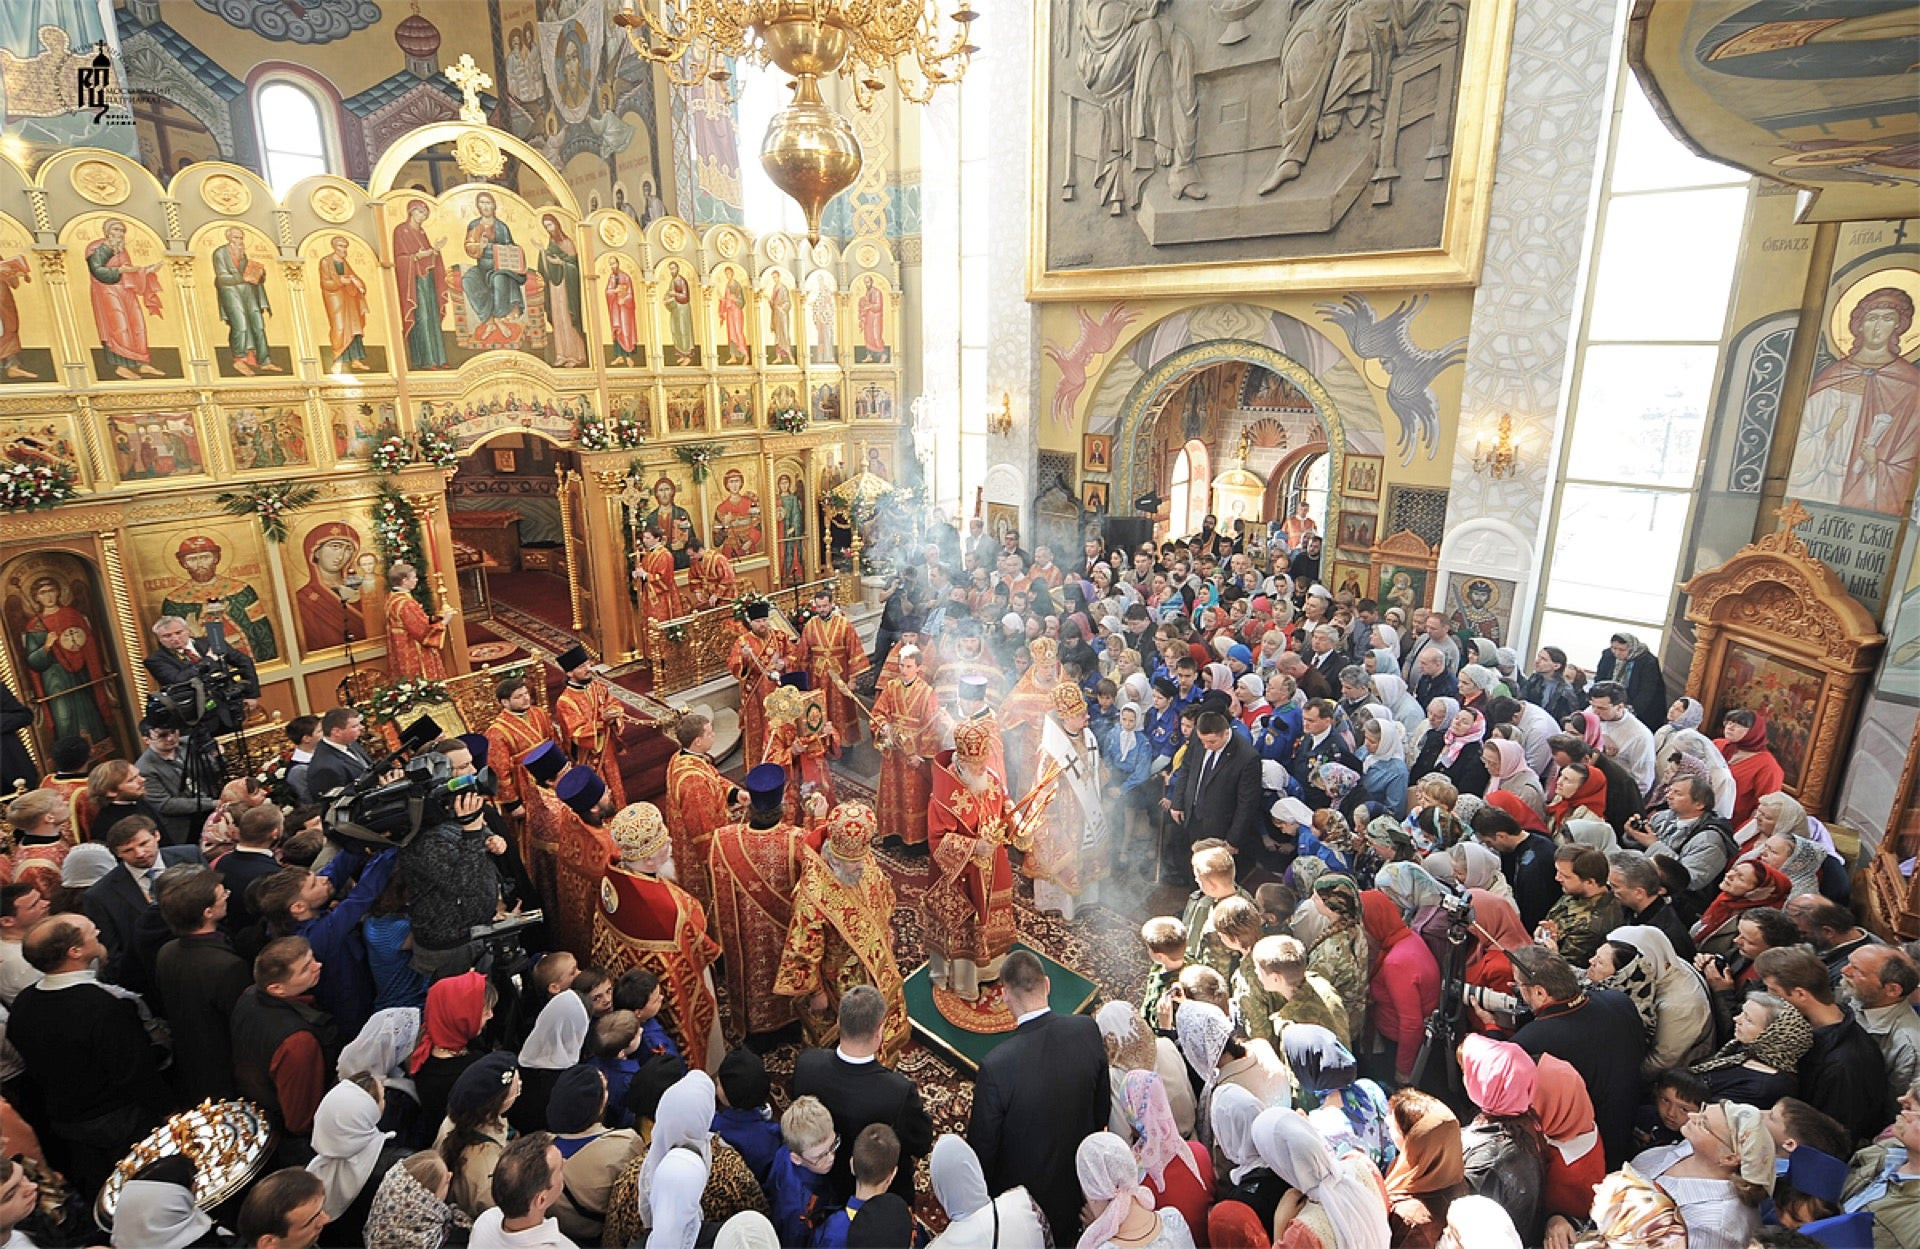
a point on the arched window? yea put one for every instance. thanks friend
(295, 139)
(1179, 493)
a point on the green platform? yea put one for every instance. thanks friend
(1072, 994)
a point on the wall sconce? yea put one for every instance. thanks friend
(1000, 417)
(1503, 460)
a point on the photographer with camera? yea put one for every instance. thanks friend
(212, 687)
(451, 886)
(174, 780)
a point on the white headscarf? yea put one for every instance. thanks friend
(748, 1229)
(678, 1159)
(959, 1183)
(1294, 812)
(383, 1048)
(154, 1214)
(1234, 1110)
(1393, 740)
(976, 1219)
(1595, 833)
(1481, 1222)
(1298, 1154)
(558, 1034)
(1204, 1030)
(1109, 1174)
(346, 1141)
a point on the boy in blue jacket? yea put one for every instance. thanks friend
(876, 1156)
(743, 1119)
(797, 1185)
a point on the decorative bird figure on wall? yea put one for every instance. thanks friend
(1410, 370)
(1096, 338)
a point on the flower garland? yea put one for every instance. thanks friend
(438, 449)
(620, 434)
(699, 456)
(393, 454)
(25, 487)
(791, 420)
(270, 501)
(390, 702)
(274, 778)
(675, 633)
(398, 537)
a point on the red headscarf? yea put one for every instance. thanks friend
(1773, 890)
(1517, 807)
(455, 1012)
(1754, 738)
(1385, 926)
(1592, 796)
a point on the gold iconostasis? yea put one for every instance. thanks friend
(179, 352)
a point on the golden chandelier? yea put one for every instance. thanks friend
(810, 151)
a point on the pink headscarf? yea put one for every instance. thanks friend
(1499, 1075)
(1456, 742)
(1156, 1138)
(1591, 730)
(1512, 760)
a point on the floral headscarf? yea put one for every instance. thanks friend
(1781, 1044)
(1691, 714)
(1110, 1179)
(1156, 1139)
(1412, 888)
(1632, 1212)
(1388, 833)
(1802, 868)
(1337, 779)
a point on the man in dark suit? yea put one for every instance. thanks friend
(1038, 1095)
(857, 1091)
(249, 861)
(119, 901)
(1325, 656)
(1218, 791)
(1320, 742)
(15, 763)
(179, 659)
(338, 758)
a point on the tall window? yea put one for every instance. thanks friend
(293, 133)
(1666, 242)
(1180, 493)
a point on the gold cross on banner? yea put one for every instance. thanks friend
(471, 80)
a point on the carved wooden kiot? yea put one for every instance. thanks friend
(1776, 598)
(1407, 549)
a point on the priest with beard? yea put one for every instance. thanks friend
(969, 903)
(755, 868)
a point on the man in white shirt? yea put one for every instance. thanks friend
(527, 1181)
(1881, 979)
(21, 907)
(1627, 740)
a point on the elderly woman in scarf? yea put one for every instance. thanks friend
(976, 1220)
(1507, 772)
(1391, 690)
(1796, 858)
(1335, 1204)
(1383, 777)
(1760, 1064)
(1756, 772)
(1688, 752)
(1336, 942)
(1684, 714)
(1460, 755)
(679, 1158)
(1476, 683)
(1682, 1028)
(1123, 1209)
(1132, 1046)
(1179, 1173)
(157, 1210)
(1433, 735)
(1349, 1111)
(1403, 987)
(1428, 1176)
(1745, 885)
(1717, 1175)
(1414, 890)
(348, 1146)
(1780, 815)
(1504, 1151)
(1477, 867)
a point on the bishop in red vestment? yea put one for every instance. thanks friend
(969, 903)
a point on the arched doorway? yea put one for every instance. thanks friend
(516, 512)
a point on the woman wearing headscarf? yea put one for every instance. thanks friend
(976, 1220)
(1756, 772)
(1349, 1111)
(551, 1048)
(1682, 1009)
(679, 1157)
(1480, 1222)
(1689, 753)
(410, 1208)
(1760, 1065)
(1123, 1209)
(1383, 777)
(1579, 793)
(1335, 1204)
(1575, 1160)
(457, 1008)
(1179, 1173)
(1419, 897)
(1338, 952)
(748, 1229)
(476, 1132)
(1502, 1149)
(157, 1209)
(1433, 735)
(1796, 858)
(1477, 867)
(1428, 1176)
(1497, 932)
(1684, 714)
(1717, 1175)
(1391, 690)
(1242, 1179)
(1628, 661)
(1220, 1058)
(1745, 885)
(1476, 683)
(1403, 987)
(382, 1050)
(1132, 1046)
(1507, 772)
(351, 1154)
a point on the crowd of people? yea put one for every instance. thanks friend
(1474, 955)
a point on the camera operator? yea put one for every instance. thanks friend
(179, 660)
(466, 755)
(174, 788)
(451, 886)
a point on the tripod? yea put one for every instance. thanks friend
(1444, 1026)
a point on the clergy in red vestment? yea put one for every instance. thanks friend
(801, 740)
(589, 720)
(541, 819)
(831, 656)
(967, 657)
(1756, 773)
(518, 728)
(1025, 710)
(755, 867)
(645, 920)
(414, 638)
(583, 854)
(969, 904)
(908, 727)
(757, 659)
(710, 577)
(699, 800)
(842, 934)
(653, 573)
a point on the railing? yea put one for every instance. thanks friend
(691, 650)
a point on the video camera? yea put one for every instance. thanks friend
(382, 810)
(504, 953)
(213, 700)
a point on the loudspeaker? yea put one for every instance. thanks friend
(1127, 532)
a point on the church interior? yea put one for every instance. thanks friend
(1563, 320)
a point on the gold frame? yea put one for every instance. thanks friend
(1455, 262)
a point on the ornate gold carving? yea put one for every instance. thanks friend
(226, 194)
(569, 487)
(100, 182)
(727, 243)
(284, 220)
(614, 232)
(867, 256)
(331, 204)
(182, 267)
(295, 271)
(42, 216)
(53, 263)
(478, 155)
(172, 207)
(123, 612)
(672, 237)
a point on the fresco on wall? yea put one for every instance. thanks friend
(274, 436)
(123, 306)
(471, 419)
(737, 527)
(339, 601)
(245, 288)
(31, 440)
(342, 268)
(26, 318)
(61, 644)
